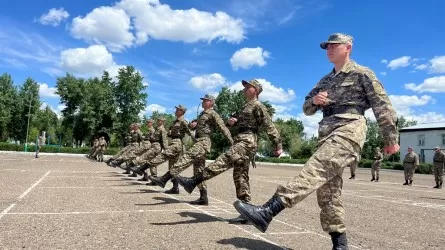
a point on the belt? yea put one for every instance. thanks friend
(247, 130)
(153, 141)
(343, 109)
(175, 137)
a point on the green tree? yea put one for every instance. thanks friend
(8, 96)
(130, 99)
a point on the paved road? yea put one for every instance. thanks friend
(61, 202)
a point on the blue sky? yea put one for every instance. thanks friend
(185, 49)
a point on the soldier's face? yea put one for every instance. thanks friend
(410, 150)
(149, 124)
(160, 123)
(178, 112)
(206, 104)
(337, 52)
(249, 92)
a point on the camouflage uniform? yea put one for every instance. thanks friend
(158, 141)
(438, 162)
(102, 149)
(253, 116)
(341, 135)
(375, 169)
(94, 148)
(410, 163)
(40, 142)
(174, 150)
(135, 143)
(353, 169)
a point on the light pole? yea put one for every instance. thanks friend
(27, 127)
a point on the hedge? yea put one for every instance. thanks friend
(424, 168)
(52, 149)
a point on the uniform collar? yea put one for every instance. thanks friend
(349, 66)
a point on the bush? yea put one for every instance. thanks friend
(424, 168)
(52, 149)
(365, 163)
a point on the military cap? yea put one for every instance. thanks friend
(208, 97)
(337, 38)
(149, 120)
(181, 107)
(161, 118)
(437, 147)
(377, 148)
(255, 83)
(136, 124)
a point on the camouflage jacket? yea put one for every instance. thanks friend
(208, 121)
(358, 87)
(147, 135)
(255, 115)
(378, 157)
(439, 158)
(411, 159)
(179, 129)
(160, 135)
(136, 136)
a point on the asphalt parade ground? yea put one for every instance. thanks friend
(70, 202)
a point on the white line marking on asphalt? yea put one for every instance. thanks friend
(4, 212)
(33, 186)
(107, 212)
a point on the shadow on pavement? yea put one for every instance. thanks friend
(247, 243)
(165, 200)
(197, 218)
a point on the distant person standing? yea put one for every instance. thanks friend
(438, 162)
(375, 169)
(410, 163)
(40, 142)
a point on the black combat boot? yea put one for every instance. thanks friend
(437, 185)
(161, 181)
(144, 178)
(377, 180)
(352, 177)
(203, 199)
(175, 188)
(133, 175)
(406, 182)
(440, 185)
(373, 179)
(410, 183)
(260, 216)
(339, 241)
(190, 183)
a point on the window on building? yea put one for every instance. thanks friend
(443, 139)
(421, 140)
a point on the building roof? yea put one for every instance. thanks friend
(425, 127)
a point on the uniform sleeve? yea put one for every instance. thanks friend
(185, 127)
(308, 106)
(416, 159)
(379, 157)
(164, 138)
(266, 121)
(222, 127)
(381, 106)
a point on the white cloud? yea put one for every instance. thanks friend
(54, 17)
(105, 25)
(270, 92)
(46, 91)
(437, 64)
(383, 73)
(310, 123)
(155, 107)
(421, 66)
(400, 62)
(384, 61)
(245, 58)
(402, 103)
(91, 61)
(433, 84)
(208, 82)
(134, 22)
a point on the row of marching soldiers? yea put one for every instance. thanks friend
(98, 149)
(158, 145)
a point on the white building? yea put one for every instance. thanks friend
(422, 138)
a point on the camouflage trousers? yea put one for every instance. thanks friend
(145, 157)
(408, 171)
(323, 173)
(130, 153)
(122, 151)
(238, 158)
(438, 172)
(170, 154)
(375, 169)
(196, 156)
(353, 169)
